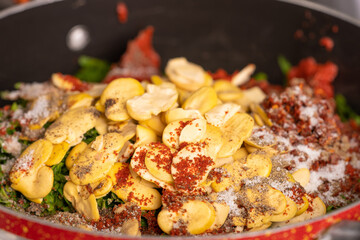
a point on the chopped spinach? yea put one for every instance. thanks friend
(55, 200)
(109, 201)
(8, 196)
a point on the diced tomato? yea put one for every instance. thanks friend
(140, 60)
(2, 131)
(326, 72)
(327, 43)
(222, 74)
(307, 67)
(122, 12)
(318, 76)
(140, 51)
(324, 90)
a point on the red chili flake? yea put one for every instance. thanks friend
(164, 158)
(152, 225)
(122, 177)
(122, 12)
(327, 43)
(181, 127)
(297, 194)
(89, 188)
(182, 145)
(216, 174)
(115, 220)
(140, 159)
(181, 230)
(172, 200)
(191, 170)
(77, 84)
(141, 200)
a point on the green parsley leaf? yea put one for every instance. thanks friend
(108, 201)
(92, 69)
(17, 85)
(284, 64)
(260, 76)
(344, 111)
(90, 135)
(329, 208)
(8, 196)
(10, 131)
(47, 125)
(55, 200)
(14, 106)
(143, 222)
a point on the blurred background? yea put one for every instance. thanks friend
(350, 7)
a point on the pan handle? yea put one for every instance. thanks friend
(344, 230)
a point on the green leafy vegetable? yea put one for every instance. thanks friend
(14, 106)
(21, 103)
(25, 142)
(55, 200)
(47, 125)
(109, 201)
(143, 222)
(284, 64)
(90, 135)
(92, 69)
(260, 76)
(344, 111)
(10, 131)
(329, 208)
(4, 156)
(8, 196)
(17, 85)
(15, 126)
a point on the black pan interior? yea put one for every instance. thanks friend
(212, 33)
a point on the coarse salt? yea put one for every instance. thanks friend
(24, 162)
(40, 109)
(230, 197)
(310, 114)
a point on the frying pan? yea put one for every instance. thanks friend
(227, 34)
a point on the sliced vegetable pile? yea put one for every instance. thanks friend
(182, 154)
